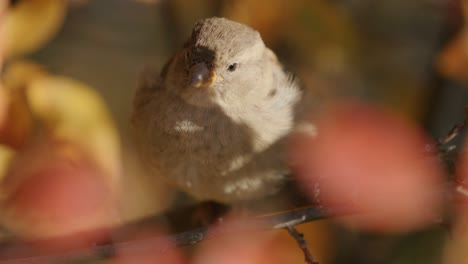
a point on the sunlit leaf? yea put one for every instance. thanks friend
(74, 112)
(29, 24)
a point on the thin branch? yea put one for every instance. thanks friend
(299, 237)
(456, 130)
(452, 134)
(14, 251)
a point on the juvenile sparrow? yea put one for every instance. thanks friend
(213, 122)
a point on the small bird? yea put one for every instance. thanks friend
(214, 121)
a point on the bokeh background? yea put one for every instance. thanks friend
(411, 56)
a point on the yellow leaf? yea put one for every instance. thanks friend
(74, 112)
(29, 24)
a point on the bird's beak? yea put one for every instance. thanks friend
(202, 76)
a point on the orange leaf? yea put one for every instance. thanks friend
(453, 61)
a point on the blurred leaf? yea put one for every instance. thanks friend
(6, 156)
(453, 60)
(72, 111)
(53, 189)
(16, 127)
(67, 109)
(29, 24)
(73, 135)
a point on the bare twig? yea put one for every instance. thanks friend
(452, 134)
(16, 251)
(302, 244)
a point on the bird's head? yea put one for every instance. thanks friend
(221, 61)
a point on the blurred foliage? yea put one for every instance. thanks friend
(61, 108)
(404, 54)
(53, 124)
(453, 59)
(31, 25)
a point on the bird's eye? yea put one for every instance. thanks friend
(232, 67)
